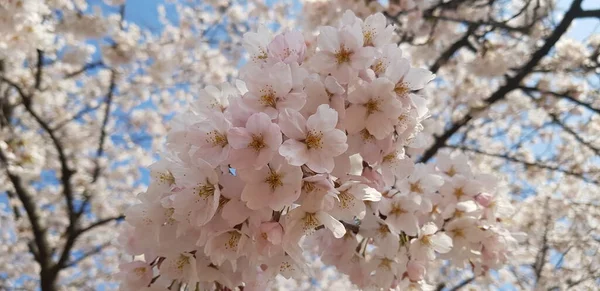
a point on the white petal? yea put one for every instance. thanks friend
(336, 227)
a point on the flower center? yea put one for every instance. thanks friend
(310, 222)
(372, 106)
(234, 239)
(274, 180)
(383, 229)
(257, 143)
(386, 263)
(140, 271)
(216, 138)
(166, 178)
(451, 172)
(366, 135)
(459, 192)
(268, 98)
(314, 140)
(368, 36)
(401, 89)
(205, 190)
(416, 187)
(391, 157)
(397, 210)
(426, 240)
(343, 55)
(346, 200)
(378, 67)
(182, 262)
(458, 232)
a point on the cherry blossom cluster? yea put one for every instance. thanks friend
(311, 154)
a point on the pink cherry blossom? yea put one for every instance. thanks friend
(254, 145)
(314, 142)
(277, 185)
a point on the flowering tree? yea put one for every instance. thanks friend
(519, 97)
(313, 148)
(84, 94)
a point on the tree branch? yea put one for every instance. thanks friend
(565, 95)
(88, 254)
(590, 13)
(525, 163)
(100, 223)
(511, 83)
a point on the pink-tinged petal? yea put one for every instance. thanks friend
(407, 223)
(396, 71)
(323, 61)
(292, 124)
(363, 58)
(351, 37)
(272, 136)
(328, 39)
(379, 125)
(295, 152)
(320, 162)
(441, 242)
(382, 87)
(360, 95)
(263, 158)
(417, 78)
(336, 227)
(281, 79)
(256, 196)
(242, 158)
(428, 229)
(420, 104)
(325, 119)
(258, 122)
(334, 143)
(253, 176)
(238, 137)
(235, 212)
(283, 196)
(293, 100)
(355, 118)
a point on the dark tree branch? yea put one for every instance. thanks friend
(565, 95)
(42, 249)
(462, 284)
(590, 13)
(100, 223)
(448, 53)
(511, 83)
(84, 69)
(38, 72)
(88, 254)
(526, 163)
(100, 150)
(540, 260)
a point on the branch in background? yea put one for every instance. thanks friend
(525, 163)
(84, 69)
(556, 119)
(448, 53)
(590, 13)
(511, 83)
(88, 254)
(565, 95)
(100, 150)
(462, 284)
(540, 260)
(38, 72)
(100, 223)
(42, 253)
